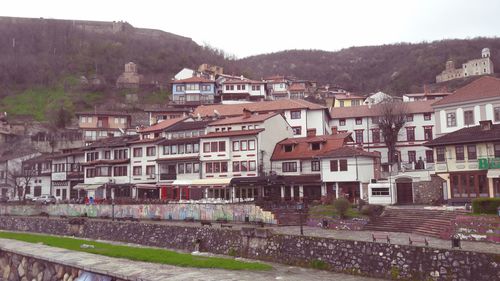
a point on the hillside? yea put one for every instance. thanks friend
(42, 60)
(396, 69)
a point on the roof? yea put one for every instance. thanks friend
(467, 135)
(112, 142)
(162, 125)
(482, 88)
(348, 96)
(264, 106)
(103, 113)
(193, 80)
(78, 151)
(428, 94)
(232, 133)
(166, 109)
(412, 107)
(297, 87)
(153, 140)
(302, 149)
(242, 81)
(40, 158)
(253, 118)
(347, 151)
(189, 125)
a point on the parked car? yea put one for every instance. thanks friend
(46, 199)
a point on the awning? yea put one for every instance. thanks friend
(146, 186)
(87, 186)
(203, 182)
(182, 182)
(493, 173)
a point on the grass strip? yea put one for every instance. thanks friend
(135, 253)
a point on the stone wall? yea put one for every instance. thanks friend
(478, 228)
(15, 267)
(428, 192)
(174, 211)
(355, 257)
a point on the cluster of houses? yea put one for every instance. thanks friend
(248, 146)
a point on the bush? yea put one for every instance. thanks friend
(372, 210)
(341, 205)
(319, 264)
(485, 205)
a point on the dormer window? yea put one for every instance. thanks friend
(315, 146)
(288, 147)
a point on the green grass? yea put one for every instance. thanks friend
(329, 211)
(135, 253)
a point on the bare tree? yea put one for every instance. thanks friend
(392, 118)
(21, 180)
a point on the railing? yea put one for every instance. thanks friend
(165, 177)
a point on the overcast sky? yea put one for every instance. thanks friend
(250, 27)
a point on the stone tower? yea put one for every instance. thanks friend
(485, 53)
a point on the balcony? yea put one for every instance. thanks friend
(166, 177)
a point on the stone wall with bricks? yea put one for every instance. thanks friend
(400, 262)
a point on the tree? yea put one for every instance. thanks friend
(392, 117)
(21, 180)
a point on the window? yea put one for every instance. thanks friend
(196, 167)
(342, 122)
(189, 148)
(428, 133)
(497, 150)
(315, 146)
(359, 121)
(468, 117)
(297, 130)
(471, 152)
(173, 149)
(359, 136)
(196, 148)
(410, 133)
(441, 154)
(138, 152)
(334, 165)
(244, 166)
(451, 119)
(429, 156)
(236, 166)
(427, 116)
(189, 168)
(150, 151)
(181, 147)
(295, 114)
(409, 118)
(315, 166)
(206, 147)
(251, 145)
(459, 152)
(236, 146)
(180, 168)
(289, 166)
(208, 168)
(120, 171)
(107, 154)
(216, 167)
(214, 146)
(92, 156)
(252, 166)
(412, 156)
(137, 170)
(341, 103)
(380, 191)
(343, 165)
(376, 136)
(150, 170)
(497, 114)
(120, 154)
(288, 147)
(243, 145)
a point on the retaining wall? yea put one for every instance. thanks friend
(355, 257)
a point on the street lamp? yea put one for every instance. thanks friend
(300, 207)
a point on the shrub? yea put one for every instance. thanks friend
(485, 205)
(319, 264)
(341, 205)
(372, 210)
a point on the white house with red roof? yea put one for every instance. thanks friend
(243, 89)
(300, 114)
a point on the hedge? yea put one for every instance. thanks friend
(485, 205)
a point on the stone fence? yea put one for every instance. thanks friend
(354, 257)
(170, 211)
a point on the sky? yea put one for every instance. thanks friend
(250, 27)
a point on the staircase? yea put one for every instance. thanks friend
(433, 223)
(286, 213)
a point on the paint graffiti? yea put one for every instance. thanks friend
(171, 211)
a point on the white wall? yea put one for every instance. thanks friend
(360, 169)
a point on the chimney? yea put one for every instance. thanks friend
(335, 130)
(486, 125)
(311, 132)
(246, 113)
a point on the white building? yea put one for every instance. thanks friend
(35, 177)
(475, 67)
(243, 89)
(67, 172)
(10, 167)
(467, 106)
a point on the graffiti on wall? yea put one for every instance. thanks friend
(171, 211)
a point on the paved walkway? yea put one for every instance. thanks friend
(130, 270)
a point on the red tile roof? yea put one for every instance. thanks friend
(302, 148)
(162, 125)
(254, 118)
(265, 106)
(297, 87)
(244, 81)
(232, 133)
(467, 135)
(373, 110)
(427, 94)
(193, 80)
(153, 140)
(347, 151)
(482, 88)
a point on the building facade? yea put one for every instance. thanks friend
(475, 67)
